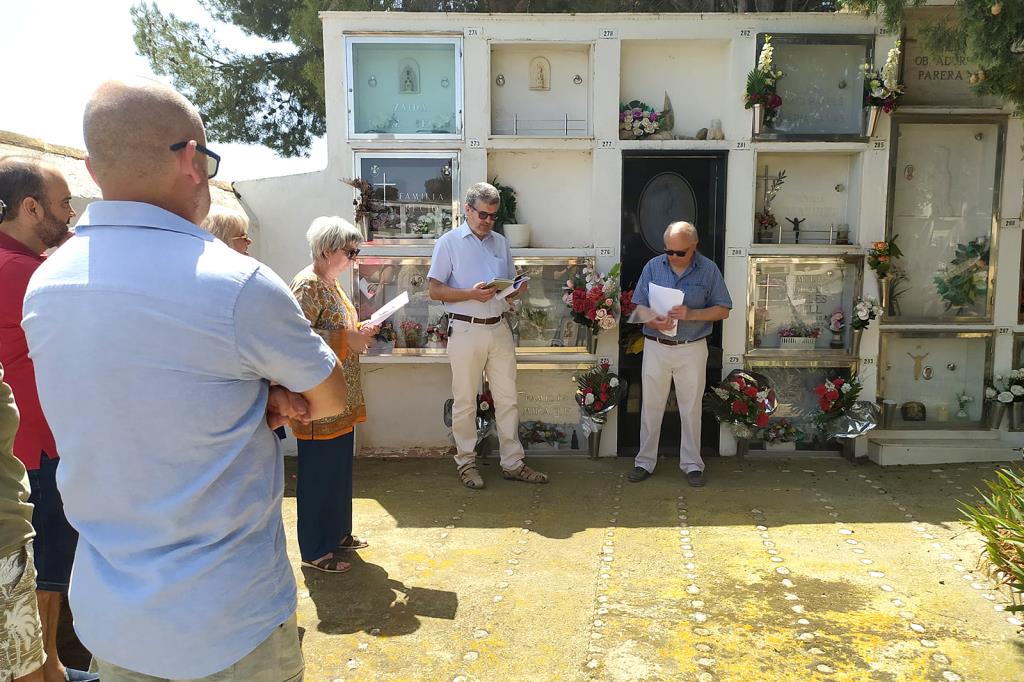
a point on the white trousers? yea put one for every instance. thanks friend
(472, 350)
(687, 365)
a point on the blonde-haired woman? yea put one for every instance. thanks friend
(231, 227)
(324, 487)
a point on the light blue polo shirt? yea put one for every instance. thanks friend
(702, 285)
(461, 260)
(153, 345)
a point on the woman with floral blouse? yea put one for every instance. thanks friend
(324, 488)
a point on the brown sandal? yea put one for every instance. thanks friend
(525, 474)
(470, 476)
(351, 542)
(328, 564)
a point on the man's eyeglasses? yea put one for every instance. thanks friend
(484, 215)
(351, 253)
(680, 254)
(3, 210)
(212, 158)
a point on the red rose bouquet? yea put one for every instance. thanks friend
(743, 401)
(835, 398)
(593, 298)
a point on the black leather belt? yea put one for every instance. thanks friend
(672, 342)
(474, 320)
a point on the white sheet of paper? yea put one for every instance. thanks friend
(508, 291)
(663, 299)
(387, 310)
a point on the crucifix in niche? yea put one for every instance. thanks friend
(384, 184)
(918, 359)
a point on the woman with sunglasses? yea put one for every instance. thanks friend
(324, 487)
(231, 227)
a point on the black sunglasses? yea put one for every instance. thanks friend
(484, 215)
(212, 158)
(681, 254)
(351, 253)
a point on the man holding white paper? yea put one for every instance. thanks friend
(675, 346)
(463, 271)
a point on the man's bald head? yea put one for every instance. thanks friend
(129, 129)
(683, 229)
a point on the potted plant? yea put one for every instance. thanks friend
(766, 224)
(760, 92)
(517, 234)
(781, 435)
(880, 260)
(882, 89)
(412, 333)
(798, 336)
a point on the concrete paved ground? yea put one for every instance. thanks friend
(777, 570)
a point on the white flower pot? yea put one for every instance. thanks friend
(797, 342)
(517, 234)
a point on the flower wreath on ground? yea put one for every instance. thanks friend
(742, 401)
(593, 299)
(598, 391)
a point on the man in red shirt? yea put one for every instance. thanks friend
(38, 211)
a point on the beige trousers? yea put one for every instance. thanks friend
(277, 659)
(475, 349)
(687, 365)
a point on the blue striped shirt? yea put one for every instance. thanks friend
(702, 285)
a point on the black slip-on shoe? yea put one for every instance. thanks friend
(695, 478)
(638, 474)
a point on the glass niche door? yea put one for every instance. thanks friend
(945, 180)
(794, 381)
(822, 87)
(548, 415)
(416, 194)
(802, 304)
(404, 88)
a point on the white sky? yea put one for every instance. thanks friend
(55, 52)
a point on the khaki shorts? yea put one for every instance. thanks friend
(21, 634)
(277, 659)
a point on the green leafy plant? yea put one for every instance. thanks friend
(967, 278)
(507, 207)
(761, 83)
(999, 518)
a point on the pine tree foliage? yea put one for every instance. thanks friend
(989, 33)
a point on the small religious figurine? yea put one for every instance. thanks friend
(540, 74)
(918, 359)
(796, 223)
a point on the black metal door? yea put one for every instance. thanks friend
(659, 188)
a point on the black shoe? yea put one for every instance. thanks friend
(638, 474)
(695, 478)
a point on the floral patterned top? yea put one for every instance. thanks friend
(328, 308)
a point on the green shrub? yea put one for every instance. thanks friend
(1000, 520)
